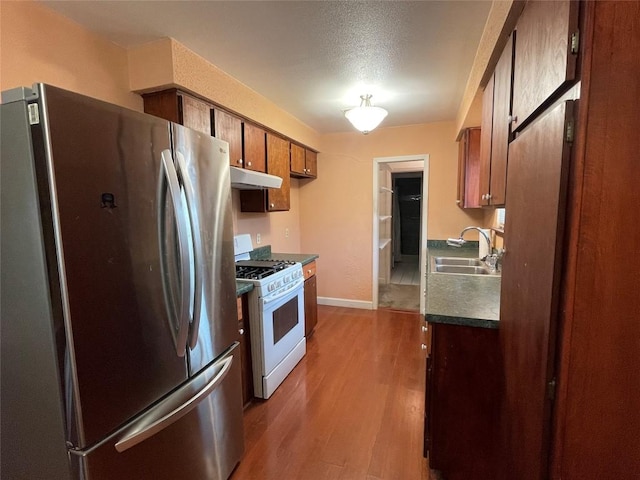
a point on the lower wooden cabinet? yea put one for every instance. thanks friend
(244, 338)
(462, 402)
(310, 299)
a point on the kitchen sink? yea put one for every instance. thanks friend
(460, 266)
(474, 262)
(463, 269)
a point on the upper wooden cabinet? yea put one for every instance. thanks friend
(545, 54)
(271, 199)
(469, 169)
(255, 147)
(496, 111)
(303, 162)
(180, 107)
(228, 127)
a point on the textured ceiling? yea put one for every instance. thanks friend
(315, 58)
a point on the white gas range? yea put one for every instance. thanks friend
(276, 316)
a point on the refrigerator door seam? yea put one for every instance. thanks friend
(174, 190)
(194, 220)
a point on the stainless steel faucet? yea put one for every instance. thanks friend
(490, 259)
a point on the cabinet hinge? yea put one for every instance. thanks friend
(569, 131)
(551, 389)
(575, 42)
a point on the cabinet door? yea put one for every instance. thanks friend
(469, 169)
(255, 147)
(310, 305)
(485, 141)
(195, 114)
(544, 60)
(311, 162)
(278, 164)
(501, 125)
(229, 128)
(298, 159)
(536, 198)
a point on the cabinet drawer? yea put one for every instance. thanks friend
(309, 269)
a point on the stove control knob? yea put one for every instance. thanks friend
(271, 287)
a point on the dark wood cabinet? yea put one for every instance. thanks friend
(569, 302)
(469, 169)
(228, 127)
(271, 199)
(255, 147)
(496, 111)
(244, 337)
(538, 169)
(464, 382)
(310, 299)
(303, 162)
(180, 107)
(545, 54)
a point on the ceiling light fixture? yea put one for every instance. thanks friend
(366, 117)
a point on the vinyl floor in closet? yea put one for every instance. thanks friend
(352, 409)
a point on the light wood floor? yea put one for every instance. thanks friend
(352, 409)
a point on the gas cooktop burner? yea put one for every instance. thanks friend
(258, 269)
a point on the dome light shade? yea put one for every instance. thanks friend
(365, 117)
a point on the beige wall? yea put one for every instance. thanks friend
(337, 208)
(39, 45)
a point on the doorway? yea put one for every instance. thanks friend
(399, 232)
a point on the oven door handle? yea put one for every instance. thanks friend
(292, 288)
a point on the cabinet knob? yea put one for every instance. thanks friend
(241, 331)
(512, 118)
(248, 164)
(272, 205)
(423, 346)
(457, 202)
(488, 196)
(309, 272)
(425, 329)
(239, 161)
(484, 197)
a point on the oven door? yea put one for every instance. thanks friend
(283, 325)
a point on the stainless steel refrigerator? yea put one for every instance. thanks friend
(119, 328)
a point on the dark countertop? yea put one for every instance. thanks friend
(243, 287)
(468, 300)
(303, 258)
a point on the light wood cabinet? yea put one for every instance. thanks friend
(271, 199)
(303, 162)
(469, 169)
(228, 127)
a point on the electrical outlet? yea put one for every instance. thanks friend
(258, 239)
(286, 233)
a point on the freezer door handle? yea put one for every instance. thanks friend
(180, 337)
(194, 221)
(172, 409)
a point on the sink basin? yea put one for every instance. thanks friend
(474, 262)
(463, 269)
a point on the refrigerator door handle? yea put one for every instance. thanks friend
(194, 220)
(170, 172)
(167, 412)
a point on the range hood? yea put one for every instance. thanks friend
(245, 179)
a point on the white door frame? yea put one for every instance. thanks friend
(423, 224)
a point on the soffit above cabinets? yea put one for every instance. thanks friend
(314, 59)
